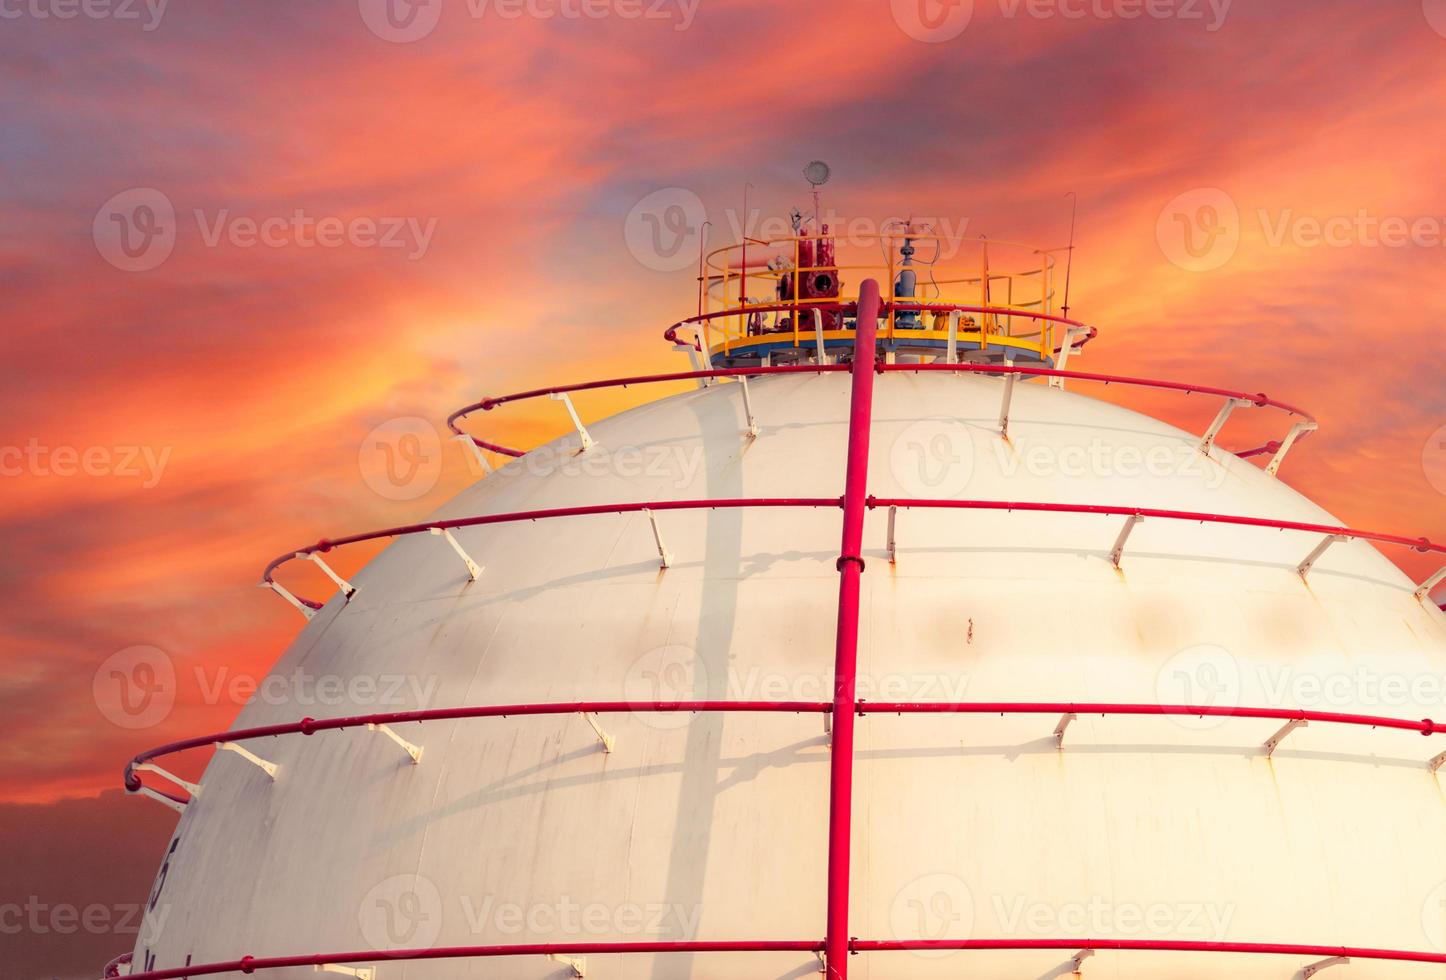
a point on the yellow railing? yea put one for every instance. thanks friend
(756, 289)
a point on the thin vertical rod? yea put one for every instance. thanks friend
(846, 649)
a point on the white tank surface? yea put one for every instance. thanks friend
(652, 827)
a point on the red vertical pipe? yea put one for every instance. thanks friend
(846, 648)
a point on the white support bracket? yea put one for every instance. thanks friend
(1009, 380)
(607, 740)
(347, 589)
(562, 396)
(1118, 551)
(1303, 569)
(1078, 959)
(748, 408)
(189, 787)
(1436, 762)
(694, 361)
(822, 962)
(476, 452)
(1423, 591)
(160, 798)
(578, 964)
(474, 570)
(415, 751)
(1320, 965)
(1066, 348)
(1274, 741)
(1062, 727)
(663, 553)
(360, 972)
(822, 352)
(1207, 441)
(1296, 431)
(267, 767)
(285, 593)
(951, 352)
(893, 540)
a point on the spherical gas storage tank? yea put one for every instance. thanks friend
(698, 827)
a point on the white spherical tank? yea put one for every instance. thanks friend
(713, 825)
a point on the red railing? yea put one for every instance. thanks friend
(253, 964)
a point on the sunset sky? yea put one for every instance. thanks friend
(184, 397)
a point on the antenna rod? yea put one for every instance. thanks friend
(1069, 259)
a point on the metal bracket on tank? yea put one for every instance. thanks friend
(1078, 960)
(1207, 441)
(1436, 763)
(602, 736)
(267, 767)
(1296, 431)
(1063, 725)
(578, 964)
(1303, 569)
(347, 589)
(748, 408)
(476, 450)
(189, 787)
(1319, 965)
(361, 972)
(1275, 740)
(160, 798)
(562, 396)
(1009, 380)
(415, 751)
(951, 352)
(1424, 589)
(282, 591)
(893, 541)
(663, 553)
(474, 570)
(1118, 551)
(822, 353)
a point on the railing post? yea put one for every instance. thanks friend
(846, 648)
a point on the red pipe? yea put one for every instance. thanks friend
(1182, 946)
(846, 646)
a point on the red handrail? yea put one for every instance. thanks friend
(1257, 399)
(310, 726)
(251, 964)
